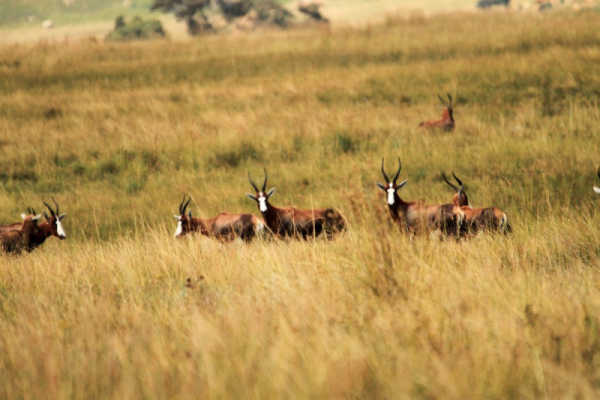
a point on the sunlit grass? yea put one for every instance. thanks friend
(118, 133)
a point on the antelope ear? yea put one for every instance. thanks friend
(597, 190)
(177, 217)
(190, 214)
(37, 217)
(251, 197)
(400, 186)
(461, 191)
(270, 193)
(46, 215)
(380, 186)
(62, 216)
(23, 216)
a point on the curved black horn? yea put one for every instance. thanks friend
(449, 98)
(449, 183)
(387, 180)
(265, 182)
(598, 172)
(457, 180)
(397, 173)
(186, 204)
(252, 183)
(441, 99)
(56, 204)
(49, 208)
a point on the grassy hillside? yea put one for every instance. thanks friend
(117, 133)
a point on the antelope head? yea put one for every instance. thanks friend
(447, 106)
(184, 226)
(54, 220)
(32, 218)
(597, 189)
(261, 197)
(460, 198)
(390, 186)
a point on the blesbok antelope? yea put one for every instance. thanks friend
(224, 226)
(51, 227)
(446, 122)
(17, 240)
(413, 217)
(475, 219)
(597, 189)
(295, 223)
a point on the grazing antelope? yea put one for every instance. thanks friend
(446, 122)
(413, 216)
(292, 222)
(224, 226)
(596, 189)
(490, 218)
(17, 240)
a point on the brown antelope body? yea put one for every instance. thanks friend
(295, 223)
(414, 217)
(597, 189)
(446, 122)
(476, 219)
(16, 240)
(224, 226)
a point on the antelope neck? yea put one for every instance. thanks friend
(271, 216)
(399, 206)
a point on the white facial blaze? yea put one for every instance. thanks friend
(391, 196)
(179, 229)
(60, 230)
(262, 202)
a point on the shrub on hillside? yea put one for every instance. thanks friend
(135, 29)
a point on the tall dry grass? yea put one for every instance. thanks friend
(117, 133)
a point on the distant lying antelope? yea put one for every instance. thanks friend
(596, 189)
(292, 222)
(224, 226)
(17, 240)
(414, 216)
(446, 122)
(490, 218)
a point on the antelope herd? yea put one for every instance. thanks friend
(456, 219)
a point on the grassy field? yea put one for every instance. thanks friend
(117, 133)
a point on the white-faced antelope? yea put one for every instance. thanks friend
(414, 217)
(292, 222)
(51, 227)
(17, 240)
(597, 189)
(224, 226)
(446, 122)
(489, 218)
